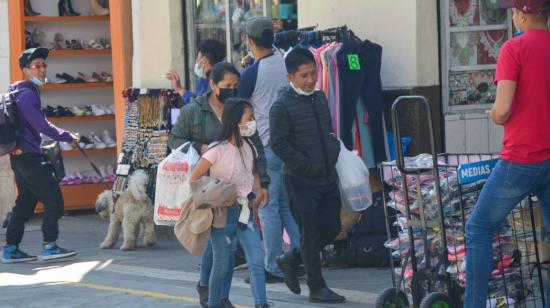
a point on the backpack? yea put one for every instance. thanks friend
(10, 130)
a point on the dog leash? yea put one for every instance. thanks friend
(96, 169)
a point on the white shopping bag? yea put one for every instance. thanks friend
(173, 189)
(354, 180)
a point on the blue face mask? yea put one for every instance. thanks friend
(519, 32)
(38, 82)
(198, 70)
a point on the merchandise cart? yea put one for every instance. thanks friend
(433, 196)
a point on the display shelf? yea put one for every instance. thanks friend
(79, 197)
(65, 18)
(110, 117)
(90, 151)
(83, 85)
(79, 52)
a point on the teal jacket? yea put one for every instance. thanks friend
(198, 123)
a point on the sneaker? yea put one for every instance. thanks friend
(86, 143)
(98, 110)
(52, 251)
(65, 146)
(98, 143)
(108, 139)
(12, 254)
(78, 111)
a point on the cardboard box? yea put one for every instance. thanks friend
(522, 217)
(528, 250)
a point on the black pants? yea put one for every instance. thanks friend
(316, 209)
(35, 182)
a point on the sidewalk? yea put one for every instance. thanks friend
(164, 276)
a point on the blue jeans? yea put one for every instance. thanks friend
(206, 268)
(508, 184)
(276, 215)
(223, 250)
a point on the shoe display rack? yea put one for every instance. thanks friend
(41, 20)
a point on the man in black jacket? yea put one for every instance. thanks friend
(301, 135)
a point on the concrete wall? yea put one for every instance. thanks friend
(7, 186)
(406, 29)
(158, 42)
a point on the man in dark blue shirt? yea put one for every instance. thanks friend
(210, 52)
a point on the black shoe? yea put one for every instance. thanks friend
(269, 278)
(288, 263)
(225, 303)
(203, 295)
(64, 112)
(325, 295)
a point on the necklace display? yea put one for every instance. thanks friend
(464, 47)
(492, 46)
(491, 13)
(462, 20)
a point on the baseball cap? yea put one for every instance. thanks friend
(30, 54)
(527, 6)
(256, 27)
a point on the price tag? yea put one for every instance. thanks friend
(123, 169)
(353, 62)
(143, 91)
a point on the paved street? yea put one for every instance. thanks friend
(164, 276)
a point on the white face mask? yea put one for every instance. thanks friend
(300, 91)
(249, 130)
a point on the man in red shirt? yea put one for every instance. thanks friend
(523, 107)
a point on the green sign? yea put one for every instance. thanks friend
(353, 62)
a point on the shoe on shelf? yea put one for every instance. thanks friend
(97, 110)
(108, 139)
(65, 146)
(203, 295)
(325, 295)
(64, 111)
(87, 79)
(78, 111)
(12, 254)
(98, 143)
(52, 251)
(107, 77)
(110, 109)
(225, 303)
(85, 143)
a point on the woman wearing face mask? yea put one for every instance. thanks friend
(200, 123)
(209, 53)
(231, 158)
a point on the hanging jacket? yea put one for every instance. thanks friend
(199, 124)
(302, 136)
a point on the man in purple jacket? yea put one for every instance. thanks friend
(34, 180)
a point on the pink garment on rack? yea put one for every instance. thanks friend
(336, 86)
(317, 55)
(324, 76)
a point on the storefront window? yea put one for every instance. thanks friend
(473, 32)
(242, 10)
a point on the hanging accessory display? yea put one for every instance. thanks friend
(491, 13)
(491, 45)
(464, 45)
(462, 19)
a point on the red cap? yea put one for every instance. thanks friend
(527, 6)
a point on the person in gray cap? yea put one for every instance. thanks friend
(261, 83)
(34, 180)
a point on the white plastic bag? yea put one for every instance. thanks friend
(172, 187)
(354, 180)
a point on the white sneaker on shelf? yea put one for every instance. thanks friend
(65, 146)
(98, 110)
(111, 109)
(98, 143)
(78, 111)
(108, 139)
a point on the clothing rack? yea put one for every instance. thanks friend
(292, 38)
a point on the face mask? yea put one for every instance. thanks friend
(249, 130)
(226, 94)
(519, 32)
(198, 70)
(300, 91)
(39, 82)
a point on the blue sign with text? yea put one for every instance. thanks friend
(474, 172)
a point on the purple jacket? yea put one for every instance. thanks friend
(33, 120)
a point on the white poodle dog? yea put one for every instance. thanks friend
(133, 210)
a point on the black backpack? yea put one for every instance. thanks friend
(10, 130)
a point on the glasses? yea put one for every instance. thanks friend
(39, 66)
